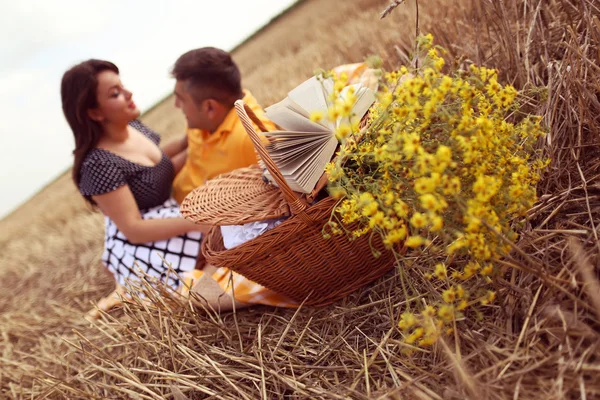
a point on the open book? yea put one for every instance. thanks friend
(304, 148)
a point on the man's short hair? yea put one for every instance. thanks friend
(209, 73)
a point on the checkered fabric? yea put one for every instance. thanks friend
(122, 257)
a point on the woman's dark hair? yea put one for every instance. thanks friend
(78, 93)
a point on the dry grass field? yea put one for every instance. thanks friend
(539, 341)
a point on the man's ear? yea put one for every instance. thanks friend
(210, 105)
(95, 114)
(213, 108)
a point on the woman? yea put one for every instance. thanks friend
(119, 168)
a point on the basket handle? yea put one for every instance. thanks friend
(297, 203)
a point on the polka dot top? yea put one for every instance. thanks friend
(103, 171)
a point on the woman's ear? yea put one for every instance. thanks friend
(95, 114)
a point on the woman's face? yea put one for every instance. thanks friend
(115, 104)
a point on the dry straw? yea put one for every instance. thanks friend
(538, 341)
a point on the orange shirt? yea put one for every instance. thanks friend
(210, 155)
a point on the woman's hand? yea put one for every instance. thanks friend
(120, 206)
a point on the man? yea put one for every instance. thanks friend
(207, 84)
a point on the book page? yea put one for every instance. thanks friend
(311, 95)
(364, 99)
(289, 157)
(309, 173)
(304, 148)
(304, 172)
(292, 121)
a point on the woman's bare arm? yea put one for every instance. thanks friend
(120, 206)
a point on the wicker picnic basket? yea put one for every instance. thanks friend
(293, 258)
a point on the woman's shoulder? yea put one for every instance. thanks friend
(97, 157)
(137, 124)
(100, 172)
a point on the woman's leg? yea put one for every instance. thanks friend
(107, 303)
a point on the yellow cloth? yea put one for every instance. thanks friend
(241, 288)
(210, 155)
(358, 73)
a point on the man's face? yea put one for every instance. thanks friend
(197, 115)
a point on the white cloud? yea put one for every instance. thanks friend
(29, 26)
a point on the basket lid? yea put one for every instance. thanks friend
(235, 198)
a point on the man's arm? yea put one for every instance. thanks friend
(178, 160)
(175, 147)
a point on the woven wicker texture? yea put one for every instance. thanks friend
(235, 198)
(293, 258)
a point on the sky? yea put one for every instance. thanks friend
(41, 39)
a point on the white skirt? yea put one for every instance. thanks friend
(177, 254)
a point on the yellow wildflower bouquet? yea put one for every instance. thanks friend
(445, 167)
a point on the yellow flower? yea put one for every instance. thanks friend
(432, 53)
(365, 198)
(377, 219)
(415, 241)
(416, 335)
(391, 223)
(449, 295)
(316, 116)
(333, 114)
(440, 271)
(433, 203)
(444, 153)
(370, 209)
(487, 270)
(493, 87)
(446, 83)
(342, 131)
(441, 155)
(407, 321)
(337, 192)
(411, 145)
(429, 202)
(395, 236)
(446, 313)
(418, 220)
(439, 63)
(489, 297)
(456, 245)
(401, 209)
(424, 185)
(426, 41)
(437, 223)
(428, 341)
(428, 311)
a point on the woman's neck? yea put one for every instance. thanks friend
(116, 133)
